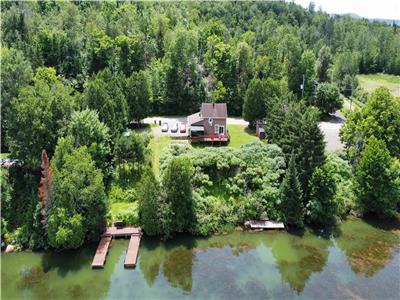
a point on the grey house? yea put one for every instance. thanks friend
(209, 125)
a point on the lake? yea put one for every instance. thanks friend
(361, 260)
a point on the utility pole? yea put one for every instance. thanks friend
(302, 87)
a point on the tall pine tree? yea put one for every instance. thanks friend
(291, 196)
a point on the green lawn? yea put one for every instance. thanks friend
(371, 82)
(157, 145)
(240, 135)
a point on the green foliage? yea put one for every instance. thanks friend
(150, 205)
(377, 186)
(328, 98)
(176, 182)
(323, 63)
(16, 72)
(294, 127)
(129, 215)
(86, 129)
(341, 173)
(232, 185)
(380, 117)
(104, 94)
(37, 116)
(78, 188)
(184, 86)
(322, 207)
(260, 95)
(138, 95)
(130, 155)
(66, 231)
(6, 199)
(291, 196)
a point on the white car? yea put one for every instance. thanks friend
(164, 127)
(174, 128)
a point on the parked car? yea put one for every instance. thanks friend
(164, 127)
(174, 128)
(182, 128)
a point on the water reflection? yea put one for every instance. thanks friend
(178, 268)
(368, 248)
(238, 265)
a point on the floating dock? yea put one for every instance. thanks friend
(135, 235)
(132, 253)
(254, 224)
(101, 252)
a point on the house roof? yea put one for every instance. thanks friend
(195, 118)
(213, 110)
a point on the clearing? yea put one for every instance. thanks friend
(370, 82)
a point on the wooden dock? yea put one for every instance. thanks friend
(133, 250)
(101, 252)
(125, 232)
(135, 235)
(254, 224)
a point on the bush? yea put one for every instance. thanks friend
(130, 216)
(119, 194)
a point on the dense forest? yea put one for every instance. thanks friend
(75, 74)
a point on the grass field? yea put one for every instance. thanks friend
(371, 82)
(240, 135)
(157, 145)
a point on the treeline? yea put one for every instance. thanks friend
(191, 52)
(75, 74)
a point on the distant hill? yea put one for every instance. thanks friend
(387, 21)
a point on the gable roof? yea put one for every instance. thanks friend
(214, 110)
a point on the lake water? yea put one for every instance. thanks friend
(361, 261)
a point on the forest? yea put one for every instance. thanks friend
(75, 75)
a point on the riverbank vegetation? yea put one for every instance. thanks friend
(75, 76)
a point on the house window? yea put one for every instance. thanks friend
(221, 130)
(216, 129)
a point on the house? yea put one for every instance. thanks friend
(209, 125)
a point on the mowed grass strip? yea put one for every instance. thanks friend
(371, 82)
(240, 135)
(158, 144)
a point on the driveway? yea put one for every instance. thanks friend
(330, 128)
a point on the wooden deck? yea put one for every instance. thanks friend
(135, 235)
(254, 224)
(209, 138)
(101, 252)
(122, 232)
(132, 252)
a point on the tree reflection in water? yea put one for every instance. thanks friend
(368, 248)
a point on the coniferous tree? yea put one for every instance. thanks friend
(322, 207)
(377, 186)
(178, 189)
(149, 204)
(291, 196)
(323, 63)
